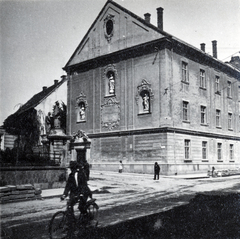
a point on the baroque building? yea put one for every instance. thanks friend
(144, 96)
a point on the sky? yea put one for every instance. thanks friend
(37, 37)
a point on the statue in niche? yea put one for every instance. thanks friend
(145, 102)
(56, 115)
(111, 83)
(82, 112)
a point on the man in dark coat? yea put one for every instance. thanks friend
(76, 186)
(156, 171)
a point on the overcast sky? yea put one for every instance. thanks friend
(38, 37)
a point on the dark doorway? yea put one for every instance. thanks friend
(81, 155)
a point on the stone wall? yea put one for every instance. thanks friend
(39, 177)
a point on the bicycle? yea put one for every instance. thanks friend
(58, 228)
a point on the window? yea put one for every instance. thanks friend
(219, 151)
(202, 79)
(203, 115)
(217, 85)
(218, 118)
(184, 72)
(204, 150)
(109, 27)
(231, 152)
(185, 111)
(229, 120)
(187, 148)
(239, 123)
(229, 89)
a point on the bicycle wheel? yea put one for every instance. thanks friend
(57, 226)
(93, 214)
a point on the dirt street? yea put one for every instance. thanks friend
(121, 197)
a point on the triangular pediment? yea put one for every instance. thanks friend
(114, 29)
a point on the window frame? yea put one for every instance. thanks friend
(230, 123)
(217, 85)
(203, 114)
(203, 83)
(218, 118)
(231, 152)
(219, 151)
(185, 111)
(204, 150)
(185, 78)
(187, 149)
(229, 89)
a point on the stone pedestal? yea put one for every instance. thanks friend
(58, 146)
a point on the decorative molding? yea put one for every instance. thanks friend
(110, 113)
(164, 130)
(144, 86)
(108, 36)
(81, 98)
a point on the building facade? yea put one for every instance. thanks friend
(144, 96)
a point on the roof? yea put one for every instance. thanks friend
(171, 38)
(39, 97)
(156, 29)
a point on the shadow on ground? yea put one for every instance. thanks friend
(206, 216)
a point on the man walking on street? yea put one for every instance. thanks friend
(156, 171)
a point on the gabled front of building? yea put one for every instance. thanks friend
(144, 96)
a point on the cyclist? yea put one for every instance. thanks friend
(76, 187)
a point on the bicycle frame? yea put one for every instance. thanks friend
(58, 226)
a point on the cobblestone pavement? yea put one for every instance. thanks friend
(123, 196)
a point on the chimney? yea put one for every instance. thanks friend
(160, 18)
(147, 17)
(55, 82)
(203, 46)
(214, 48)
(44, 88)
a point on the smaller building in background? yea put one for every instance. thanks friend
(44, 103)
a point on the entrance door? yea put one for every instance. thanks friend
(81, 155)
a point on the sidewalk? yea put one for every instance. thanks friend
(57, 192)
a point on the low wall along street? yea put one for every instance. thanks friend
(39, 177)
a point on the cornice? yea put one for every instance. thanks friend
(170, 43)
(161, 130)
(131, 52)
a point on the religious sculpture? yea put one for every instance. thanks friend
(82, 112)
(48, 122)
(145, 102)
(111, 84)
(56, 115)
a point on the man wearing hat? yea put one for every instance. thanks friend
(76, 185)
